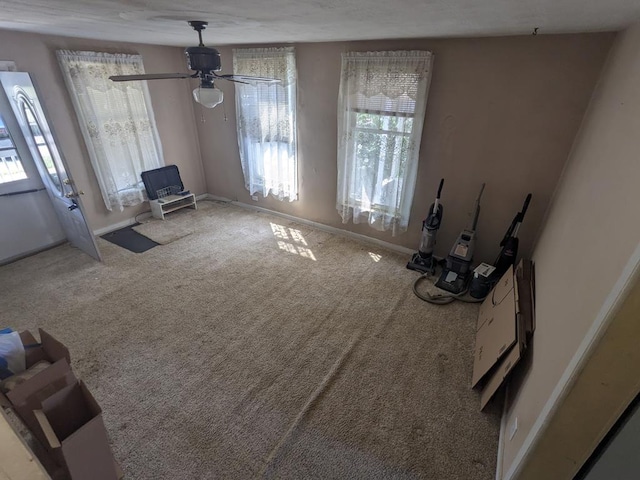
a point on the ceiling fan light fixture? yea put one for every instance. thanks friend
(208, 97)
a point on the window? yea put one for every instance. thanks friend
(25, 104)
(11, 168)
(381, 108)
(116, 120)
(266, 122)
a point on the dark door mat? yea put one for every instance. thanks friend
(130, 239)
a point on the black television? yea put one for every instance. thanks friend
(160, 178)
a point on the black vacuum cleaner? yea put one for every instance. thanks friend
(455, 275)
(423, 260)
(481, 285)
(510, 242)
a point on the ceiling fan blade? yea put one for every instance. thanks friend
(229, 79)
(148, 76)
(248, 79)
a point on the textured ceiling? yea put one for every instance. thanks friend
(275, 21)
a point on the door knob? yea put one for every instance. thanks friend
(73, 194)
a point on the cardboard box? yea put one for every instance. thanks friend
(525, 276)
(71, 421)
(28, 396)
(505, 322)
(72, 415)
(48, 349)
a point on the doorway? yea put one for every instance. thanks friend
(39, 200)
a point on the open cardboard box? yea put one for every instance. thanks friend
(48, 349)
(505, 322)
(71, 421)
(28, 396)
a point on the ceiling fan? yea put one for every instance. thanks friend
(205, 62)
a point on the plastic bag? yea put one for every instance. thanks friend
(12, 359)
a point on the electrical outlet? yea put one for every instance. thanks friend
(514, 429)
(254, 198)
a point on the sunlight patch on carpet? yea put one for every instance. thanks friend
(376, 257)
(292, 241)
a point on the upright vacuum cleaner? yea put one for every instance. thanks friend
(482, 285)
(510, 242)
(455, 275)
(423, 260)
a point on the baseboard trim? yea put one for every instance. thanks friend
(130, 221)
(116, 226)
(15, 258)
(599, 327)
(319, 226)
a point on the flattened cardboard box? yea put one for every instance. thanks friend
(496, 330)
(505, 319)
(525, 277)
(72, 423)
(504, 366)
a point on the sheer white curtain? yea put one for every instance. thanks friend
(117, 122)
(381, 107)
(266, 121)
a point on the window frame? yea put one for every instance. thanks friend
(4, 159)
(93, 113)
(33, 179)
(264, 62)
(377, 163)
(380, 132)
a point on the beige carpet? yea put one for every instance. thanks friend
(179, 224)
(258, 348)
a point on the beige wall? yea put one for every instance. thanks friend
(501, 110)
(171, 103)
(590, 234)
(605, 387)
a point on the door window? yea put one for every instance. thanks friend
(40, 142)
(11, 168)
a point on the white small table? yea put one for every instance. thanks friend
(171, 203)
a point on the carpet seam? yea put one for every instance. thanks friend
(313, 399)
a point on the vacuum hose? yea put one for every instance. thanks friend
(442, 299)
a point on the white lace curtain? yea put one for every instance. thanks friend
(381, 107)
(266, 121)
(116, 120)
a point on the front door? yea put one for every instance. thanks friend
(63, 192)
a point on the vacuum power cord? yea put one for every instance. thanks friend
(442, 299)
